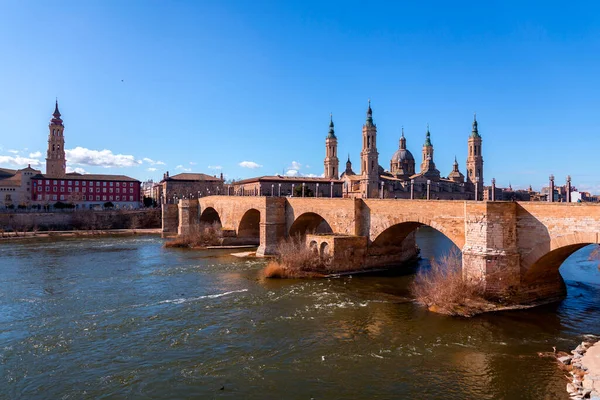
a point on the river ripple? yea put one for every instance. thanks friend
(123, 317)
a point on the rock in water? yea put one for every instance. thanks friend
(565, 360)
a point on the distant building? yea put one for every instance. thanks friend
(81, 190)
(15, 187)
(186, 185)
(147, 188)
(279, 185)
(402, 180)
(508, 194)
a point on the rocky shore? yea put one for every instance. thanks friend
(583, 364)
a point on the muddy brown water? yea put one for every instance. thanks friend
(127, 318)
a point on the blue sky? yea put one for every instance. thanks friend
(150, 86)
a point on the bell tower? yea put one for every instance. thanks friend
(56, 165)
(475, 160)
(331, 161)
(369, 158)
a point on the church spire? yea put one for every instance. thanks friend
(331, 134)
(402, 141)
(56, 120)
(475, 131)
(455, 164)
(369, 115)
(56, 112)
(427, 137)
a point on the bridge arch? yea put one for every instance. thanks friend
(249, 226)
(398, 243)
(400, 229)
(543, 261)
(309, 222)
(210, 216)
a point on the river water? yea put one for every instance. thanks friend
(126, 318)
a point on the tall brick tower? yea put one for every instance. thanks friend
(475, 160)
(56, 165)
(369, 158)
(332, 170)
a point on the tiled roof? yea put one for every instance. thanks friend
(7, 172)
(189, 176)
(89, 177)
(281, 178)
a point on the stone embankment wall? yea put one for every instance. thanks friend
(80, 220)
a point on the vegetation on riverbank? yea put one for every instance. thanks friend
(443, 289)
(295, 260)
(199, 236)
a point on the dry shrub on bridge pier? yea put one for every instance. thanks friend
(443, 289)
(296, 260)
(201, 235)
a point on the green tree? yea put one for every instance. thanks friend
(149, 202)
(298, 191)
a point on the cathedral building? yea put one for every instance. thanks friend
(402, 181)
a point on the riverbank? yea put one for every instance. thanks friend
(79, 233)
(584, 368)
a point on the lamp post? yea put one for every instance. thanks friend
(551, 191)
(493, 189)
(272, 189)
(303, 184)
(412, 189)
(381, 192)
(428, 188)
(279, 192)
(331, 192)
(317, 192)
(198, 194)
(476, 187)
(568, 188)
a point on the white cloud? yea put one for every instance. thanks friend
(192, 163)
(249, 164)
(14, 151)
(37, 154)
(295, 165)
(315, 176)
(181, 167)
(292, 172)
(152, 162)
(78, 170)
(18, 161)
(215, 167)
(100, 158)
(151, 169)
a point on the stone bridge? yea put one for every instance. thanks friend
(513, 246)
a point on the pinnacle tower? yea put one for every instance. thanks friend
(56, 163)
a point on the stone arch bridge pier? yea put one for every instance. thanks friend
(514, 247)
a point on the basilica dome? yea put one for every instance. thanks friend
(402, 155)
